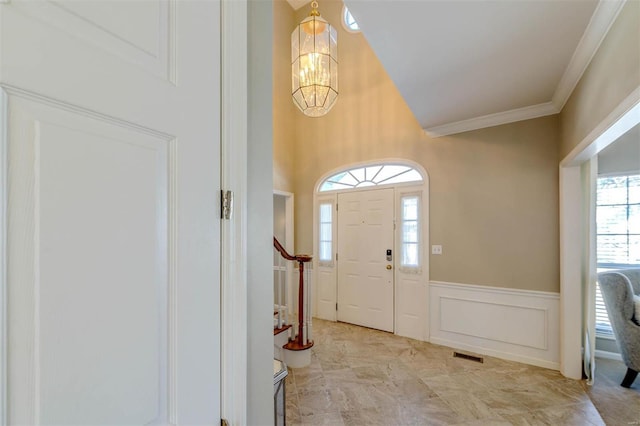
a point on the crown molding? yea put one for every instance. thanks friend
(490, 120)
(601, 21)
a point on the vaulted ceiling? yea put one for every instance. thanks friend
(468, 64)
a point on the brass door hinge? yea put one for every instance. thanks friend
(226, 204)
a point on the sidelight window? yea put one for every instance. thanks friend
(410, 231)
(325, 232)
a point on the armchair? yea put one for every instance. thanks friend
(618, 289)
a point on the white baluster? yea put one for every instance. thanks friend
(309, 304)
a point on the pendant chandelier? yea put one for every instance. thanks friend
(314, 64)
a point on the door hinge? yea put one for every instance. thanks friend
(336, 306)
(336, 256)
(336, 206)
(226, 204)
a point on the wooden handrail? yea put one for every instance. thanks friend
(286, 255)
(299, 343)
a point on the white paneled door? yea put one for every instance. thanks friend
(365, 275)
(113, 264)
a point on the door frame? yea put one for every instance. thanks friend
(622, 118)
(4, 167)
(289, 243)
(233, 233)
(332, 196)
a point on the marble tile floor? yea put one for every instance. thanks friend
(360, 376)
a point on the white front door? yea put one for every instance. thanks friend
(365, 276)
(113, 259)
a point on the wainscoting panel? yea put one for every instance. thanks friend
(518, 325)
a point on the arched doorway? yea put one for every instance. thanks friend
(370, 241)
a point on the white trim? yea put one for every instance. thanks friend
(518, 325)
(4, 112)
(619, 121)
(289, 219)
(624, 116)
(571, 272)
(601, 21)
(608, 355)
(233, 233)
(371, 163)
(495, 119)
(498, 290)
(289, 243)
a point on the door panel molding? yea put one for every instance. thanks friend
(34, 195)
(150, 48)
(12, 91)
(365, 221)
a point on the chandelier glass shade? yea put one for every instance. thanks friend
(314, 65)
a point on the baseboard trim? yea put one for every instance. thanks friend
(496, 354)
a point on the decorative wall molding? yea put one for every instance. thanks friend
(518, 325)
(623, 117)
(603, 17)
(496, 119)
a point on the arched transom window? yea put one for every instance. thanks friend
(379, 174)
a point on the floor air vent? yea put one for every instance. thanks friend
(469, 357)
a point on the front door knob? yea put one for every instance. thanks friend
(389, 266)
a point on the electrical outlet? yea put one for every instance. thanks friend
(436, 249)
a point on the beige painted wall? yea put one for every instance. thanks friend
(284, 127)
(494, 192)
(612, 75)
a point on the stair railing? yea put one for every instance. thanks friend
(303, 338)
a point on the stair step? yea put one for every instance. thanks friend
(282, 329)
